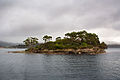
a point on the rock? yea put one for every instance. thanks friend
(95, 50)
(79, 53)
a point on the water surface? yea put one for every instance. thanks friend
(19, 66)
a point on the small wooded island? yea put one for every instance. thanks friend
(80, 42)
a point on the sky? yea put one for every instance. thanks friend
(20, 19)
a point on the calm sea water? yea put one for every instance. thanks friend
(19, 66)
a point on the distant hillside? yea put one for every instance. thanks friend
(18, 46)
(114, 46)
(7, 44)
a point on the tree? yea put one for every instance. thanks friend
(58, 38)
(92, 39)
(83, 37)
(47, 38)
(30, 41)
(103, 45)
(71, 35)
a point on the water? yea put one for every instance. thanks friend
(19, 66)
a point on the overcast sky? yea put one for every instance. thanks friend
(20, 19)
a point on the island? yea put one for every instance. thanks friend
(80, 42)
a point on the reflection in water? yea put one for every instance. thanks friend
(59, 67)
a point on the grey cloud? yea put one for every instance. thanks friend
(21, 18)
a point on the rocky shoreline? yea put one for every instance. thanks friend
(16, 51)
(95, 50)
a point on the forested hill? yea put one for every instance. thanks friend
(6, 44)
(113, 45)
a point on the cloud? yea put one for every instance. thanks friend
(22, 18)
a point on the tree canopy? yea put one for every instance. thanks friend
(72, 40)
(30, 41)
(47, 38)
(58, 38)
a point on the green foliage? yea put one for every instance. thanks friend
(103, 45)
(58, 38)
(30, 41)
(73, 40)
(47, 38)
(84, 37)
(59, 46)
(84, 45)
(71, 35)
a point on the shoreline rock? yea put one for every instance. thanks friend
(16, 51)
(92, 51)
(95, 50)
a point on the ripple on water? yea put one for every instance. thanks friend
(59, 67)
